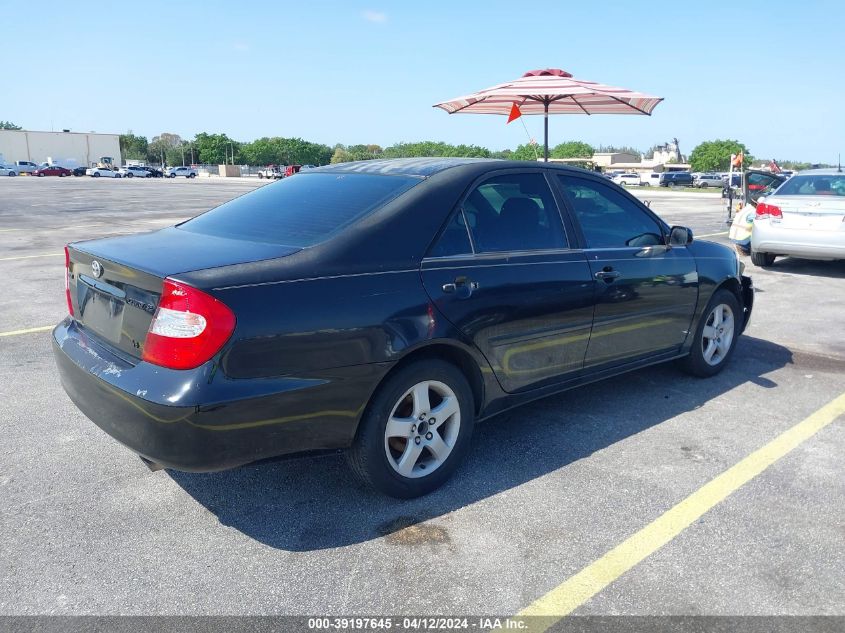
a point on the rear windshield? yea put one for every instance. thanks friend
(301, 210)
(814, 185)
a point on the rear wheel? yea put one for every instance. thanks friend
(715, 337)
(415, 430)
(192, 175)
(762, 259)
(671, 184)
(173, 175)
(130, 175)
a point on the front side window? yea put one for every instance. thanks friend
(608, 218)
(514, 212)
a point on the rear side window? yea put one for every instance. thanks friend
(301, 211)
(514, 212)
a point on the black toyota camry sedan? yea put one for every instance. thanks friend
(383, 307)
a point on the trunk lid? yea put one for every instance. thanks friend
(810, 213)
(115, 283)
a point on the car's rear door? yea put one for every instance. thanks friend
(505, 272)
(646, 292)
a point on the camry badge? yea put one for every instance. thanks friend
(96, 269)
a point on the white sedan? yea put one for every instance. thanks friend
(630, 179)
(8, 171)
(105, 172)
(804, 217)
(132, 171)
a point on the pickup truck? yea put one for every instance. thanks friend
(187, 172)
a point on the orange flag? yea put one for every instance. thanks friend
(515, 113)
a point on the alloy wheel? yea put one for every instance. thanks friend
(718, 334)
(422, 429)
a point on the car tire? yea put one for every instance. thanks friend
(40, 175)
(763, 260)
(118, 176)
(172, 176)
(715, 337)
(130, 175)
(11, 173)
(260, 176)
(703, 185)
(671, 184)
(95, 175)
(402, 459)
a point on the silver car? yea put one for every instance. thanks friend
(804, 217)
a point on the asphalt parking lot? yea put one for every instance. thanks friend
(548, 490)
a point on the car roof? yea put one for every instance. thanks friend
(820, 172)
(425, 167)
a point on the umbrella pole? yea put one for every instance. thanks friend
(546, 130)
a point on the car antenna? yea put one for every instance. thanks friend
(839, 163)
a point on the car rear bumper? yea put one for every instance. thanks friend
(199, 420)
(770, 238)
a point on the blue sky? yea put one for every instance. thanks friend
(770, 74)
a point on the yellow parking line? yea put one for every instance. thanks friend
(8, 259)
(32, 330)
(571, 594)
(713, 234)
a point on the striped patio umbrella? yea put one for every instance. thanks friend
(552, 91)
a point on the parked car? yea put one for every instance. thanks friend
(8, 170)
(703, 181)
(803, 217)
(104, 172)
(187, 172)
(757, 184)
(629, 178)
(52, 170)
(271, 172)
(25, 166)
(383, 307)
(79, 171)
(153, 172)
(648, 180)
(290, 170)
(675, 179)
(133, 171)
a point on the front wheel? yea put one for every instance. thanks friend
(192, 175)
(95, 175)
(415, 430)
(715, 337)
(762, 259)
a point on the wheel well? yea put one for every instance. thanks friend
(461, 359)
(732, 285)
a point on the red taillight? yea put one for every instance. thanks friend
(67, 282)
(765, 210)
(188, 328)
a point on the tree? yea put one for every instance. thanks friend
(167, 148)
(215, 149)
(341, 155)
(621, 149)
(716, 155)
(572, 149)
(8, 125)
(529, 151)
(133, 147)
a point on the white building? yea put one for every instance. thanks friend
(70, 149)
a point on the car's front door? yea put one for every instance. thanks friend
(646, 291)
(504, 272)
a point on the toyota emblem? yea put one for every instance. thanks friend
(96, 269)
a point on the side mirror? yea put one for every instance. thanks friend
(680, 236)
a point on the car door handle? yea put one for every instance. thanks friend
(462, 287)
(608, 274)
